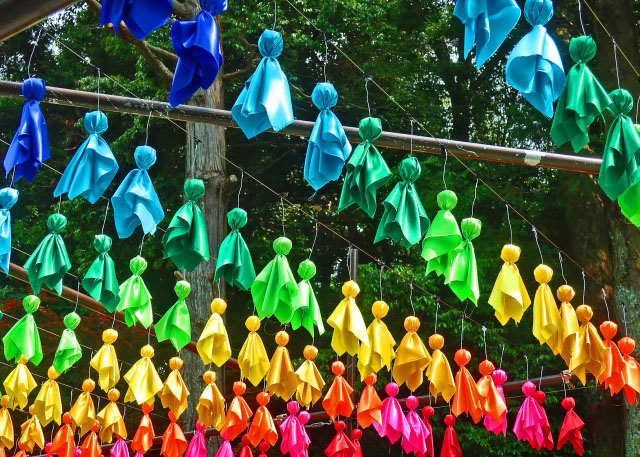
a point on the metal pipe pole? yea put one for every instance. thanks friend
(17, 15)
(391, 140)
(350, 374)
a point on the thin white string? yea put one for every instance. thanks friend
(444, 166)
(526, 358)
(77, 296)
(282, 206)
(106, 213)
(193, 160)
(315, 237)
(98, 89)
(435, 326)
(32, 51)
(326, 57)
(604, 295)
(411, 297)
(484, 339)
(475, 195)
(366, 88)
(540, 381)
(381, 270)
(615, 56)
(461, 330)
(509, 221)
(624, 318)
(535, 233)
(411, 139)
(275, 13)
(240, 188)
(501, 356)
(562, 267)
(146, 138)
(564, 384)
(584, 286)
(580, 15)
(142, 243)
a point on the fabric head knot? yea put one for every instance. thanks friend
(412, 402)
(486, 367)
(304, 417)
(56, 223)
(282, 245)
(340, 426)
(237, 218)
(252, 323)
(52, 373)
(411, 324)
(621, 102)
(310, 352)
(499, 377)
(324, 96)
(96, 122)
(538, 12)
(8, 197)
(450, 420)
(608, 329)
(88, 385)
(218, 305)
(71, 321)
(392, 389)
(582, 49)
(194, 190)
(379, 309)
(293, 407)
(307, 269)
(214, 7)
(30, 303)
(109, 336)
(199, 426)
(113, 394)
(270, 43)
(102, 243)
(145, 157)
(263, 400)
(209, 377)
(568, 403)
(175, 363)
(462, 357)
(371, 379)
(138, 265)
(540, 397)
(510, 253)
(447, 199)
(356, 434)
(147, 351)
(182, 289)
(584, 313)
(471, 228)
(409, 169)
(436, 341)
(282, 338)
(528, 388)
(627, 345)
(350, 289)
(543, 274)
(34, 89)
(566, 293)
(370, 128)
(337, 368)
(428, 412)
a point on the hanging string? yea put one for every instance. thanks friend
(509, 221)
(604, 295)
(624, 318)
(349, 260)
(59, 203)
(484, 339)
(219, 292)
(315, 237)
(411, 139)
(381, 270)
(435, 327)
(562, 267)
(106, 213)
(146, 138)
(240, 188)
(615, 56)
(580, 15)
(326, 57)
(77, 297)
(13, 175)
(411, 297)
(193, 160)
(444, 166)
(90, 358)
(113, 322)
(535, 233)
(141, 243)
(461, 329)
(526, 358)
(584, 286)
(282, 206)
(366, 88)
(564, 384)
(637, 101)
(275, 13)
(540, 380)
(501, 356)
(32, 51)
(475, 195)
(98, 89)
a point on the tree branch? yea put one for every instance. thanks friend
(182, 10)
(251, 65)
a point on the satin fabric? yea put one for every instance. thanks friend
(18, 384)
(234, 263)
(252, 359)
(91, 447)
(612, 376)
(370, 405)
(210, 406)
(583, 98)
(328, 147)
(135, 202)
(467, 398)
(443, 235)
(412, 357)
(416, 442)
(487, 23)
(23, 339)
(135, 299)
(367, 170)
(275, 286)
(69, 350)
(530, 420)
(547, 443)
(509, 297)
(142, 378)
(404, 219)
(93, 166)
(349, 330)
(499, 425)
(564, 340)
(262, 425)
(588, 353)
(631, 371)
(462, 272)
(6, 424)
(379, 352)
(32, 435)
(83, 411)
(341, 445)
(439, 371)
(111, 421)
(186, 241)
(281, 379)
(571, 427)
(63, 443)
(105, 361)
(48, 403)
(356, 436)
(629, 199)
(29, 148)
(534, 67)
(493, 404)
(304, 418)
(8, 198)
(100, 281)
(450, 444)
(174, 392)
(294, 440)
(310, 382)
(119, 449)
(49, 262)
(337, 401)
(198, 444)
(175, 325)
(546, 316)
(140, 16)
(306, 311)
(265, 100)
(394, 425)
(427, 413)
(174, 442)
(238, 414)
(213, 345)
(199, 50)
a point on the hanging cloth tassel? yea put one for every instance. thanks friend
(213, 345)
(140, 16)
(427, 413)
(48, 403)
(589, 352)
(450, 444)
(234, 263)
(63, 443)
(337, 401)
(32, 435)
(306, 311)
(8, 198)
(500, 425)
(310, 382)
(142, 378)
(548, 444)
(23, 339)
(509, 296)
(111, 421)
(175, 325)
(367, 170)
(462, 273)
(493, 404)
(341, 445)
(143, 439)
(416, 442)
(281, 380)
(612, 377)
(6, 424)
(101, 282)
(174, 442)
(530, 419)
(571, 427)
(564, 341)
(69, 350)
(198, 444)
(349, 330)
(19, 384)
(370, 405)
(439, 371)
(105, 361)
(238, 415)
(412, 357)
(294, 440)
(443, 235)
(546, 317)
(262, 425)
(174, 392)
(394, 425)
(91, 447)
(467, 398)
(356, 436)
(211, 403)
(631, 373)
(135, 299)
(252, 359)
(93, 166)
(49, 262)
(379, 352)
(29, 148)
(83, 412)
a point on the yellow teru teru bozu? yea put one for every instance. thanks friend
(509, 297)
(412, 357)
(589, 350)
(349, 329)
(546, 317)
(379, 352)
(282, 380)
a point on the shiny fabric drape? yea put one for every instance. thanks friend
(175, 325)
(306, 310)
(100, 281)
(140, 16)
(443, 235)
(8, 198)
(234, 263)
